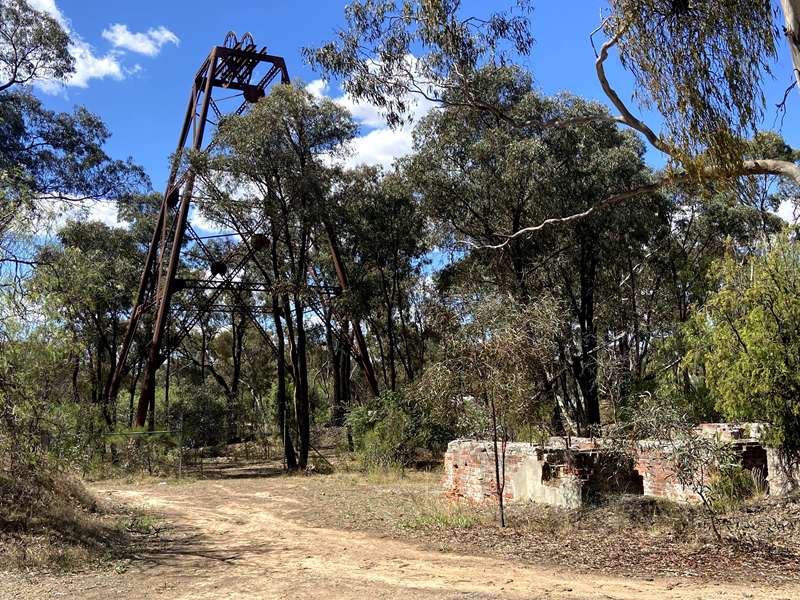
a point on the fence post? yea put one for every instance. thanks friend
(180, 445)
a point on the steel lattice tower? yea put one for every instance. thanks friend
(238, 66)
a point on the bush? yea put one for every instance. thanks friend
(387, 431)
(747, 339)
(202, 414)
(730, 488)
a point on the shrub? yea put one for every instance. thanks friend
(730, 488)
(388, 430)
(201, 413)
(747, 339)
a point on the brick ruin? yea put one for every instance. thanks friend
(567, 474)
(553, 474)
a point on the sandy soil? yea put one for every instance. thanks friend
(246, 537)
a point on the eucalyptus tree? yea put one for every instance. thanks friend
(218, 352)
(85, 284)
(46, 157)
(746, 341)
(484, 377)
(379, 219)
(791, 29)
(700, 64)
(480, 178)
(269, 177)
(33, 45)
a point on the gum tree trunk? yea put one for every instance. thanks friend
(791, 14)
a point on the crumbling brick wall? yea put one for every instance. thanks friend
(531, 474)
(783, 473)
(566, 473)
(554, 474)
(660, 481)
(658, 478)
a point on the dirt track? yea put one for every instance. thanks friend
(247, 538)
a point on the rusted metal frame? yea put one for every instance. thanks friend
(221, 287)
(263, 332)
(311, 309)
(338, 330)
(216, 109)
(255, 55)
(262, 84)
(223, 308)
(260, 57)
(237, 68)
(146, 279)
(148, 383)
(265, 81)
(215, 236)
(206, 284)
(239, 62)
(192, 235)
(176, 187)
(232, 85)
(149, 283)
(242, 67)
(269, 76)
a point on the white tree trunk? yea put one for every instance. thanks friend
(791, 13)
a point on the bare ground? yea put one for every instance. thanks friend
(252, 533)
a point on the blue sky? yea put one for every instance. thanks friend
(137, 60)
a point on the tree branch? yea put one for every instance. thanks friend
(626, 116)
(608, 202)
(749, 167)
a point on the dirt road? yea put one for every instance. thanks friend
(247, 538)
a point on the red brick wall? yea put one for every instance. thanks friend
(659, 480)
(469, 472)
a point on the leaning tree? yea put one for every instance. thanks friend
(701, 64)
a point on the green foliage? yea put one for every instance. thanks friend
(34, 45)
(36, 426)
(43, 152)
(691, 397)
(389, 443)
(747, 338)
(388, 430)
(89, 278)
(488, 365)
(730, 488)
(141, 524)
(701, 64)
(389, 48)
(203, 413)
(273, 412)
(481, 178)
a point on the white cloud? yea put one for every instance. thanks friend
(104, 211)
(88, 65)
(49, 6)
(148, 43)
(317, 88)
(380, 147)
(378, 143)
(365, 114)
(204, 225)
(91, 65)
(788, 211)
(381, 144)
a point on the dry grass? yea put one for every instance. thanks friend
(52, 523)
(629, 535)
